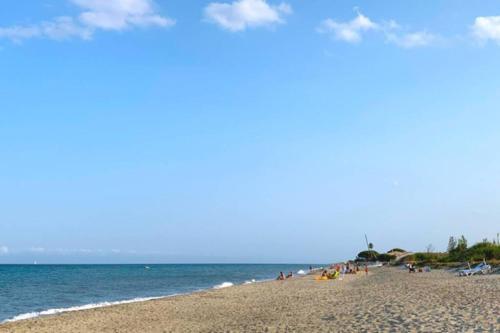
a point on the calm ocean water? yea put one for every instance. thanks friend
(30, 290)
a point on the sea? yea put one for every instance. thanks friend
(28, 291)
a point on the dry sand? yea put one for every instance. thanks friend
(388, 300)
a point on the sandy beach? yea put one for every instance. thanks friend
(388, 299)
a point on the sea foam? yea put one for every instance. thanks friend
(301, 272)
(224, 285)
(51, 312)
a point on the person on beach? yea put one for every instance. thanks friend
(289, 275)
(366, 269)
(281, 277)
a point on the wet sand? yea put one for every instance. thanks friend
(388, 300)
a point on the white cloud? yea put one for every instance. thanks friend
(59, 28)
(18, 33)
(487, 28)
(95, 15)
(120, 14)
(4, 249)
(351, 31)
(64, 27)
(411, 40)
(242, 14)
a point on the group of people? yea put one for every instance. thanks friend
(329, 275)
(336, 270)
(283, 277)
(350, 269)
(412, 269)
(334, 273)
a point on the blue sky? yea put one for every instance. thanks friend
(246, 131)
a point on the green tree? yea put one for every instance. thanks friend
(452, 244)
(461, 244)
(368, 255)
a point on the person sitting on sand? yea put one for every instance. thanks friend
(325, 273)
(281, 277)
(289, 275)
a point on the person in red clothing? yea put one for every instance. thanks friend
(366, 269)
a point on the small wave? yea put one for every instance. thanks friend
(301, 272)
(250, 281)
(51, 312)
(224, 285)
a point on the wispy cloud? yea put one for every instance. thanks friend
(242, 14)
(486, 28)
(59, 28)
(96, 15)
(352, 31)
(412, 39)
(120, 14)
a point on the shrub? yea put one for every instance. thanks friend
(483, 250)
(428, 256)
(385, 257)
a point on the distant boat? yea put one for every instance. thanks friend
(35, 263)
(147, 267)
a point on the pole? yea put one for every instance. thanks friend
(366, 258)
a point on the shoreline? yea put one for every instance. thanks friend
(51, 313)
(105, 304)
(387, 299)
